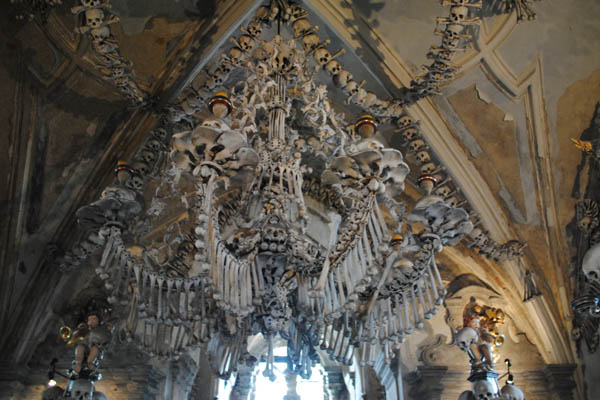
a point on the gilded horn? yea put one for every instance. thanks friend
(65, 332)
(499, 340)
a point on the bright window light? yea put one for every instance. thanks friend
(307, 389)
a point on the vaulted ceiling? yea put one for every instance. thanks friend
(501, 128)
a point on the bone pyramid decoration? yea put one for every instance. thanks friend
(277, 218)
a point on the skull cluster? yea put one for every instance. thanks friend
(274, 239)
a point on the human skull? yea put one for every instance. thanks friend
(300, 27)
(333, 67)
(428, 168)
(369, 99)
(322, 56)
(351, 88)
(90, 3)
(227, 144)
(154, 145)
(255, 29)
(160, 134)
(220, 77)
(235, 55)
(443, 191)
(449, 42)
(274, 233)
(404, 121)
(454, 31)
(452, 201)
(416, 144)
(283, 60)
(82, 389)
(359, 95)
(465, 337)
(484, 390)
(300, 144)
(141, 167)
(409, 134)
(225, 68)
(246, 42)
(310, 41)
(466, 395)
(86, 248)
(148, 156)
(136, 183)
(423, 157)
(458, 14)
(94, 18)
(117, 72)
(210, 83)
(391, 160)
(478, 237)
(100, 34)
(511, 392)
(591, 263)
(342, 78)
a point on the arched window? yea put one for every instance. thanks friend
(306, 389)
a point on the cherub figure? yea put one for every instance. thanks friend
(485, 321)
(89, 339)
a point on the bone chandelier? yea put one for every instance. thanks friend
(278, 218)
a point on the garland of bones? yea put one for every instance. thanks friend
(95, 20)
(438, 73)
(186, 325)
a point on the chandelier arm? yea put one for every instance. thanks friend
(384, 275)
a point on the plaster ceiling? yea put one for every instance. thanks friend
(501, 127)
